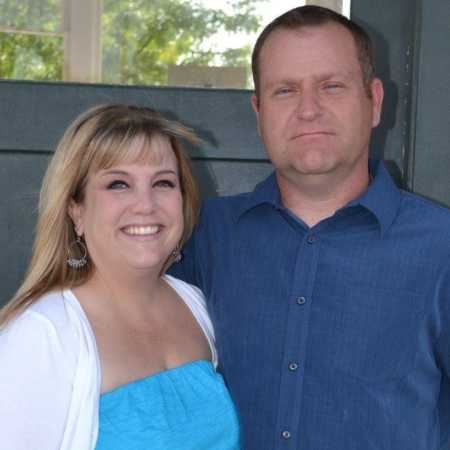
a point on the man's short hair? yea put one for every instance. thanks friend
(310, 15)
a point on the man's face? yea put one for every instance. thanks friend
(313, 111)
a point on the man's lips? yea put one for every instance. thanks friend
(318, 133)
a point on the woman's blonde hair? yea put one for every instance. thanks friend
(100, 138)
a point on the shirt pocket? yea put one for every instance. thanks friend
(367, 333)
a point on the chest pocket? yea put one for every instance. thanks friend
(367, 333)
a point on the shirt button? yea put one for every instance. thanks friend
(311, 239)
(301, 300)
(286, 434)
(293, 366)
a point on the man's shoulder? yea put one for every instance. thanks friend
(424, 209)
(229, 202)
(426, 217)
(234, 205)
(220, 215)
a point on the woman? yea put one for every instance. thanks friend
(99, 349)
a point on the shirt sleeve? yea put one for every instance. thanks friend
(441, 316)
(35, 384)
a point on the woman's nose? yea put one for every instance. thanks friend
(144, 201)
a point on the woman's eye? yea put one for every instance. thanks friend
(165, 184)
(117, 184)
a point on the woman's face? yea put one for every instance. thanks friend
(132, 213)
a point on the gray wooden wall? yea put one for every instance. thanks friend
(33, 116)
(412, 39)
(413, 47)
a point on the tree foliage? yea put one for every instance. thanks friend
(31, 56)
(140, 38)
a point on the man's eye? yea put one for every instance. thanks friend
(333, 86)
(165, 184)
(284, 91)
(117, 184)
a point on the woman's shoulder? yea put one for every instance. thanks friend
(50, 305)
(51, 319)
(44, 331)
(187, 291)
(193, 297)
(58, 309)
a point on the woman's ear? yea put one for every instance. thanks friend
(76, 214)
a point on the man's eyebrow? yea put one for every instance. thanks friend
(282, 82)
(289, 81)
(345, 74)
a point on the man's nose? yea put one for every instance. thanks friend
(309, 105)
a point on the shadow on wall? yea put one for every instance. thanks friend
(390, 104)
(204, 174)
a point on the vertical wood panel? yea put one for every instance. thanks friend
(431, 167)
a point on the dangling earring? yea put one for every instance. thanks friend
(176, 254)
(77, 263)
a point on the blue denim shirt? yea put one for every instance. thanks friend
(335, 337)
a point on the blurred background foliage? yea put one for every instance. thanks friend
(139, 39)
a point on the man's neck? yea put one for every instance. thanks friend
(313, 198)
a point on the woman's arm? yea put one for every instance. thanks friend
(35, 384)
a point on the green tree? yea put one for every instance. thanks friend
(140, 38)
(27, 55)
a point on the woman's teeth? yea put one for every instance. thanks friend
(141, 231)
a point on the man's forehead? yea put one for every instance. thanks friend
(289, 78)
(332, 41)
(328, 32)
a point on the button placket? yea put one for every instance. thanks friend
(296, 337)
(286, 434)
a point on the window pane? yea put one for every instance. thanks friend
(31, 57)
(205, 43)
(142, 39)
(36, 15)
(31, 46)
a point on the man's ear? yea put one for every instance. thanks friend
(76, 214)
(376, 88)
(255, 105)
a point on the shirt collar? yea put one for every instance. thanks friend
(382, 197)
(266, 191)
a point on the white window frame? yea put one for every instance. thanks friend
(82, 40)
(81, 29)
(346, 8)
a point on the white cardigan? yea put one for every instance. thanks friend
(50, 372)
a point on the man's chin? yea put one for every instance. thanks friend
(315, 168)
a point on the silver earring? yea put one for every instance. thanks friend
(77, 263)
(176, 254)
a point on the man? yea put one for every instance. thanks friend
(329, 287)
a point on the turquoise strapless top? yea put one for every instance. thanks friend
(184, 408)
